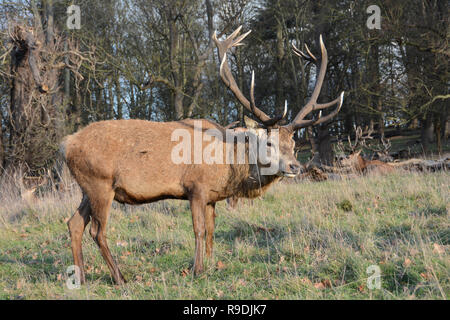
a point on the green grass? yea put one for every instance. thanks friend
(302, 241)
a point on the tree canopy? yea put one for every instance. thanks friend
(155, 60)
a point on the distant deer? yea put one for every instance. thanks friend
(357, 162)
(361, 165)
(130, 161)
(29, 186)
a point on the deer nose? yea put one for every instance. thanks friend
(295, 168)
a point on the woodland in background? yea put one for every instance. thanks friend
(155, 60)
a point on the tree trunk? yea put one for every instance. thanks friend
(322, 152)
(437, 131)
(322, 138)
(446, 129)
(427, 132)
(37, 117)
(240, 69)
(179, 110)
(174, 39)
(279, 88)
(119, 99)
(373, 77)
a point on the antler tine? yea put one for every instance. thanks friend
(339, 99)
(235, 33)
(350, 142)
(231, 125)
(230, 41)
(319, 120)
(302, 54)
(386, 142)
(377, 148)
(309, 52)
(285, 108)
(270, 122)
(369, 132)
(221, 72)
(227, 77)
(252, 92)
(237, 42)
(312, 104)
(359, 139)
(322, 70)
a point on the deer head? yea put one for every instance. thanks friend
(29, 186)
(381, 149)
(280, 150)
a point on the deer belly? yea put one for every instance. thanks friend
(144, 189)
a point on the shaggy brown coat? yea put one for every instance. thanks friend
(130, 161)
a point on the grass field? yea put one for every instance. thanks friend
(301, 241)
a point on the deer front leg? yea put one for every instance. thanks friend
(209, 222)
(198, 208)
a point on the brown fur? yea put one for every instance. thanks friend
(130, 161)
(234, 203)
(361, 165)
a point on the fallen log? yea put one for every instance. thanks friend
(319, 172)
(423, 164)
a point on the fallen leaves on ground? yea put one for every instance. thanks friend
(122, 243)
(319, 285)
(407, 262)
(323, 284)
(184, 272)
(438, 249)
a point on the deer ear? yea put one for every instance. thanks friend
(359, 152)
(250, 123)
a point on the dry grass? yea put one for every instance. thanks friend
(302, 241)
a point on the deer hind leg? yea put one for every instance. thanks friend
(76, 225)
(100, 212)
(210, 216)
(198, 208)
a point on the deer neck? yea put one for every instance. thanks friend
(362, 164)
(253, 183)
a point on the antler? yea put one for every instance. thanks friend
(361, 138)
(380, 148)
(386, 143)
(227, 77)
(299, 121)
(358, 139)
(231, 125)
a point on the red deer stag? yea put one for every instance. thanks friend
(131, 161)
(357, 162)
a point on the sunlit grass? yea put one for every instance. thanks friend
(298, 242)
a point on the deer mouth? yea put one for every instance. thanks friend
(288, 174)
